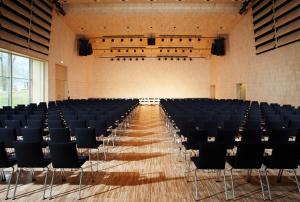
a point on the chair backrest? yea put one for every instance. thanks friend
(195, 137)
(55, 124)
(8, 136)
(278, 136)
(3, 117)
(211, 156)
(227, 137)
(73, 124)
(249, 155)
(35, 123)
(99, 126)
(3, 156)
(251, 136)
(32, 135)
(211, 127)
(29, 154)
(59, 135)
(16, 124)
(231, 125)
(85, 137)
(20, 117)
(285, 156)
(64, 155)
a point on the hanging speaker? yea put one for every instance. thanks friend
(218, 47)
(85, 48)
(151, 41)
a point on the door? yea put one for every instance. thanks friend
(212, 91)
(241, 91)
(61, 82)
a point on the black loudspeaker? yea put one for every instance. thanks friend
(151, 41)
(85, 48)
(218, 47)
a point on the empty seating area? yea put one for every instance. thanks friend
(35, 136)
(228, 135)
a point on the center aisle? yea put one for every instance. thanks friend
(144, 165)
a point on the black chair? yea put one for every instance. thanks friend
(211, 127)
(101, 131)
(30, 155)
(33, 135)
(3, 117)
(55, 124)
(251, 136)
(212, 156)
(284, 156)
(227, 137)
(86, 139)
(73, 124)
(59, 135)
(247, 158)
(278, 136)
(35, 123)
(15, 124)
(20, 117)
(231, 125)
(64, 155)
(6, 162)
(8, 136)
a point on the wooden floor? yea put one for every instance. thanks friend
(145, 166)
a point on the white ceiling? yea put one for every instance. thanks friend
(141, 17)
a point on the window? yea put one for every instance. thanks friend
(22, 80)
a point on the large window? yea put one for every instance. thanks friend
(22, 79)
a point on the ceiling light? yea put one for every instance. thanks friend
(62, 62)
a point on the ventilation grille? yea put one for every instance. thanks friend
(27, 24)
(276, 23)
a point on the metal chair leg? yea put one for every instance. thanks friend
(249, 175)
(91, 164)
(261, 185)
(196, 187)
(52, 180)
(225, 184)
(268, 185)
(279, 175)
(297, 182)
(97, 159)
(17, 180)
(80, 182)
(45, 183)
(232, 184)
(9, 182)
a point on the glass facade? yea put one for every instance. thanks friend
(22, 79)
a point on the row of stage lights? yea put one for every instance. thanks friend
(161, 50)
(143, 58)
(162, 40)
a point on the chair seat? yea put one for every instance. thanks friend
(43, 164)
(95, 146)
